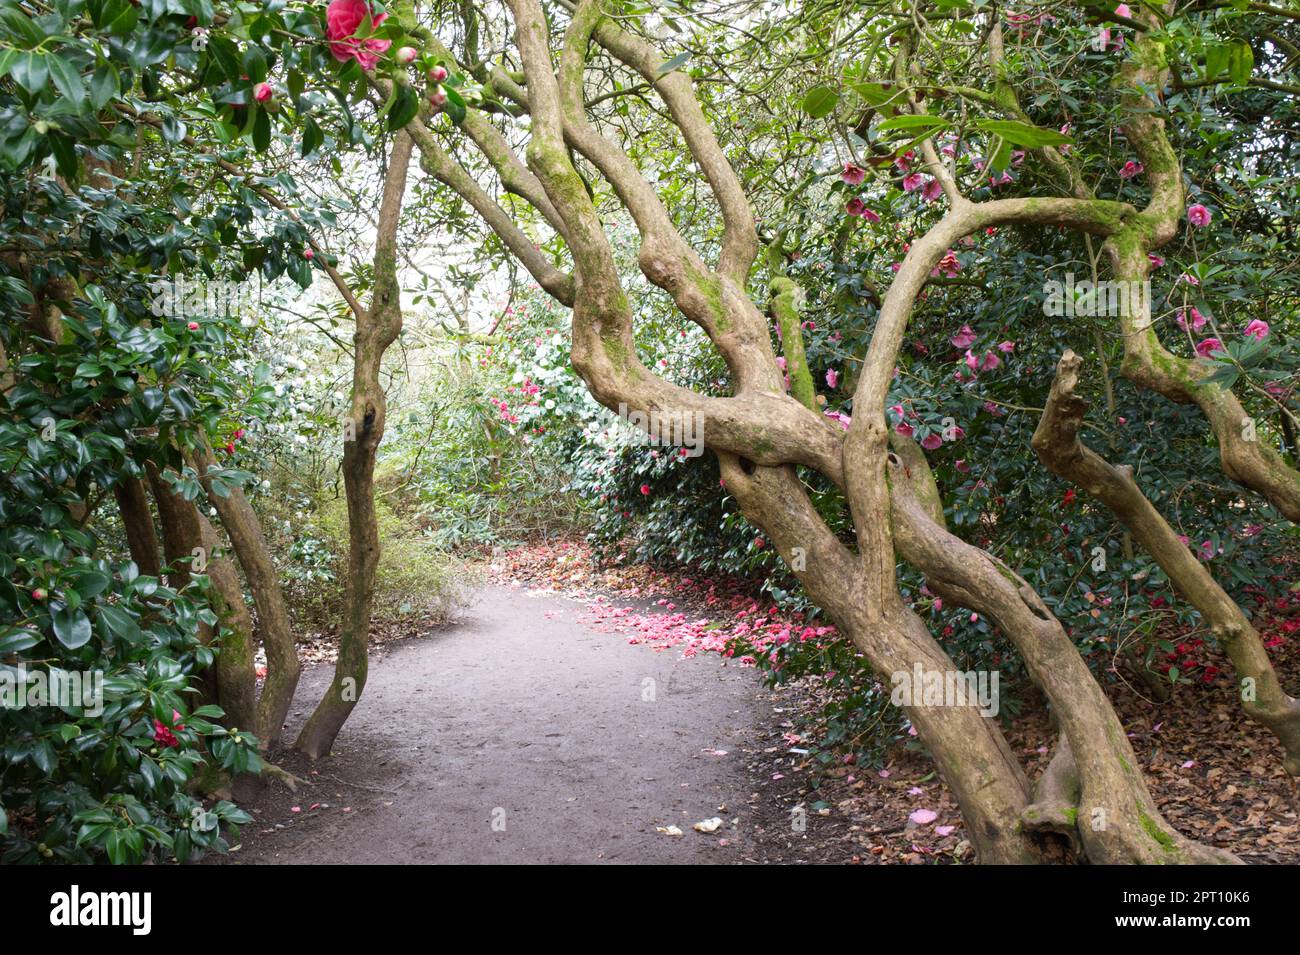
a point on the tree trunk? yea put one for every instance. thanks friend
(192, 547)
(1057, 442)
(376, 328)
(137, 519)
(282, 666)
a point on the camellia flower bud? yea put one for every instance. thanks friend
(38, 594)
(438, 74)
(406, 54)
(193, 326)
(308, 254)
(263, 92)
(438, 96)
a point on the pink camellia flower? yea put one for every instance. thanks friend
(949, 265)
(406, 55)
(869, 214)
(841, 417)
(1256, 329)
(1198, 215)
(1197, 320)
(342, 20)
(991, 361)
(932, 191)
(832, 378)
(956, 434)
(972, 361)
(913, 181)
(1155, 259)
(1006, 347)
(854, 206)
(964, 338)
(962, 466)
(931, 441)
(193, 326)
(1189, 279)
(308, 254)
(853, 174)
(1207, 347)
(263, 92)
(1123, 11)
(780, 363)
(1130, 169)
(645, 489)
(905, 429)
(904, 162)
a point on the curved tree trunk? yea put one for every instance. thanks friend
(376, 329)
(969, 749)
(191, 545)
(282, 666)
(1058, 446)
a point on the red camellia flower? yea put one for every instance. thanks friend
(163, 734)
(645, 489)
(1069, 497)
(343, 18)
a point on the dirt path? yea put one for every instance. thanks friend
(578, 743)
